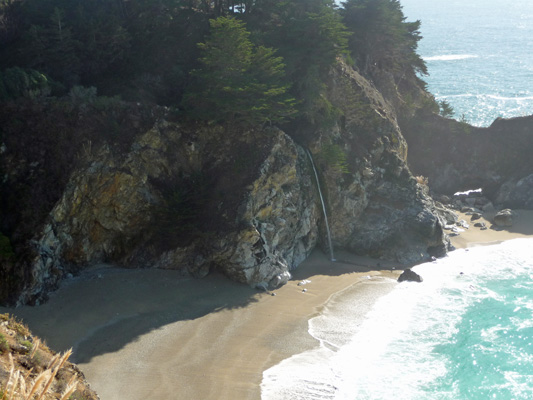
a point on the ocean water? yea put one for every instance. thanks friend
(479, 54)
(466, 332)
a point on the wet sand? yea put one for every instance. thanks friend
(152, 334)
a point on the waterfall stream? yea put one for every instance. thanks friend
(332, 257)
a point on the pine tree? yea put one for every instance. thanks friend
(238, 81)
(310, 35)
(382, 39)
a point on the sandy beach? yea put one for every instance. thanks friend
(522, 227)
(141, 334)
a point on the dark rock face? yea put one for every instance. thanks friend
(378, 208)
(409, 276)
(517, 194)
(456, 156)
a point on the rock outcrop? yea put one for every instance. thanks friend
(456, 156)
(504, 218)
(242, 202)
(377, 207)
(516, 193)
(409, 275)
(196, 198)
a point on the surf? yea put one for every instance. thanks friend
(450, 57)
(465, 332)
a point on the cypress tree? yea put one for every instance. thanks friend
(238, 81)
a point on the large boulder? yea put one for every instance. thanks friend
(409, 275)
(277, 226)
(504, 218)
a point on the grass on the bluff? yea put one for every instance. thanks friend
(29, 370)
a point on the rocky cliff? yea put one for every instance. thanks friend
(377, 208)
(456, 156)
(198, 198)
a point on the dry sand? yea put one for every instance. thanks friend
(522, 227)
(149, 334)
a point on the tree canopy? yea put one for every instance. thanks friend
(238, 81)
(148, 50)
(382, 38)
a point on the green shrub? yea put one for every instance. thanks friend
(17, 82)
(4, 346)
(334, 157)
(26, 344)
(103, 103)
(445, 109)
(82, 95)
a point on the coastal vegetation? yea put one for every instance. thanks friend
(32, 370)
(237, 81)
(249, 62)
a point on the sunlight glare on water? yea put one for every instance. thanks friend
(479, 55)
(466, 332)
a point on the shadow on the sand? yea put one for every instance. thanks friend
(520, 227)
(106, 308)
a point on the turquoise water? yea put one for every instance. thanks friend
(479, 54)
(466, 332)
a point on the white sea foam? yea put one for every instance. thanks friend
(409, 343)
(450, 57)
(486, 96)
(504, 98)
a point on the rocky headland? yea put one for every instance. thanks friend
(199, 198)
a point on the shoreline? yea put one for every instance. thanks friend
(235, 345)
(141, 334)
(522, 228)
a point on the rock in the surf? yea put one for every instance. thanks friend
(409, 276)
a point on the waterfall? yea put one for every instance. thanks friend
(331, 256)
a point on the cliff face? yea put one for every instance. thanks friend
(378, 208)
(198, 198)
(456, 156)
(191, 199)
